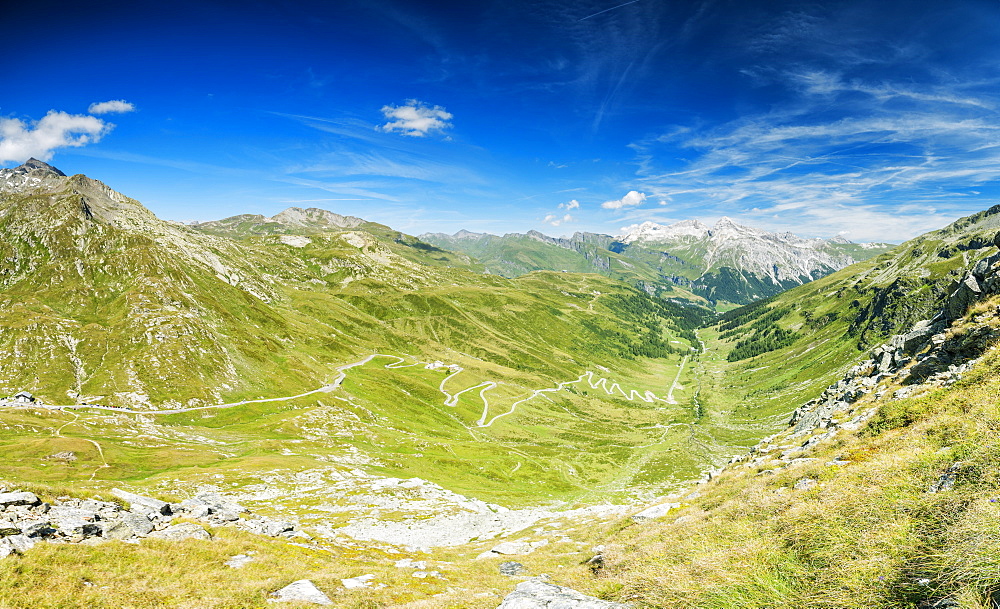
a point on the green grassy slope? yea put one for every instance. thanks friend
(103, 303)
(866, 531)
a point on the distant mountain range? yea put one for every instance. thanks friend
(725, 263)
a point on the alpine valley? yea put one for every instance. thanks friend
(319, 409)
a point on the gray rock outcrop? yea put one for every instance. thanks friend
(25, 520)
(535, 594)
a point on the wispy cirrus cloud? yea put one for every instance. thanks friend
(844, 156)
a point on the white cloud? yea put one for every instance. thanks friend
(20, 140)
(415, 118)
(115, 106)
(556, 220)
(631, 199)
(574, 204)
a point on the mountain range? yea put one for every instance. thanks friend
(724, 264)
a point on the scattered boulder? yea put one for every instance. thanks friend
(88, 521)
(595, 563)
(512, 568)
(20, 543)
(303, 591)
(127, 525)
(36, 528)
(8, 528)
(535, 594)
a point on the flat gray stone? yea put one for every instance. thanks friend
(9, 528)
(156, 505)
(301, 591)
(534, 594)
(18, 498)
(20, 543)
(804, 484)
(72, 521)
(361, 581)
(36, 528)
(182, 531)
(126, 525)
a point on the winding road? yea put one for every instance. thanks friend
(450, 400)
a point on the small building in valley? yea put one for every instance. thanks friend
(23, 397)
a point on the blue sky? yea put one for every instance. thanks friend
(875, 120)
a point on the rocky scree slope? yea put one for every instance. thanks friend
(26, 520)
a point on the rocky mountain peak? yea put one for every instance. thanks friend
(314, 216)
(726, 228)
(464, 234)
(651, 231)
(33, 165)
(29, 175)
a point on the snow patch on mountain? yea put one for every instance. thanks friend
(780, 256)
